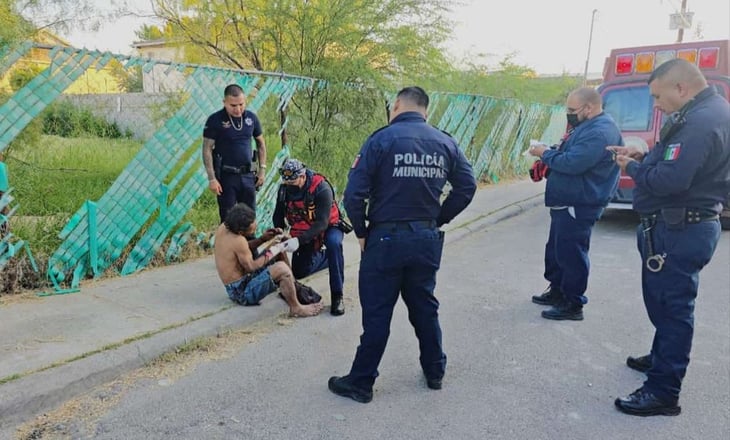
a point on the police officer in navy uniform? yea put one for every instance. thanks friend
(396, 182)
(227, 153)
(306, 202)
(680, 187)
(582, 179)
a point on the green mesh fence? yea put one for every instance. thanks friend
(467, 117)
(10, 245)
(143, 208)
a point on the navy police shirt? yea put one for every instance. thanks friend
(690, 169)
(233, 136)
(400, 173)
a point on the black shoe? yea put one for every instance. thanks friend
(343, 387)
(564, 311)
(550, 297)
(643, 403)
(338, 307)
(642, 363)
(434, 384)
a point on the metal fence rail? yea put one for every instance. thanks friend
(143, 208)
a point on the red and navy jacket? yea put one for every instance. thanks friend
(308, 211)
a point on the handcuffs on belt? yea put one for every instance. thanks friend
(654, 262)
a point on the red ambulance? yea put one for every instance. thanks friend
(626, 94)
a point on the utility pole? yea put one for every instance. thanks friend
(680, 31)
(590, 40)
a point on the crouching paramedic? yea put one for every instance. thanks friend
(248, 279)
(306, 202)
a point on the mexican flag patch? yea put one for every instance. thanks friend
(672, 151)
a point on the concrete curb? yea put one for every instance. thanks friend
(491, 218)
(36, 393)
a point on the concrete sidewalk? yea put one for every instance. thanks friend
(55, 348)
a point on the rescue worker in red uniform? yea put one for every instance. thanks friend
(306, 204)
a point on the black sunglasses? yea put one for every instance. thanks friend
(287, 173)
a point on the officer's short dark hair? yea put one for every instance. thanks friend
(414, 95)
(239, 218)
(683, 68)
(232, 90)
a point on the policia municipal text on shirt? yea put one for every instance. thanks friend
(393, 198)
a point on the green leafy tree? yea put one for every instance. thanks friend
(379, 44)
(13, 27)
(149, 32)
(130, 79)
(507, 80)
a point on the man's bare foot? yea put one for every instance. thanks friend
(308, 310)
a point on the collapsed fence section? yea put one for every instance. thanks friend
(144, 207)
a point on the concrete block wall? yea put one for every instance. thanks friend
(135, 112)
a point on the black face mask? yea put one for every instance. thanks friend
(573, 120)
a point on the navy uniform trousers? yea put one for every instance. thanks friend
(669, 296)
(237, 188)
(566, 254)
(307, 261)
(399, 258)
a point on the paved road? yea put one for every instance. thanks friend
(511, 374)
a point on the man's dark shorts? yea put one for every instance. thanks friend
(252, 288)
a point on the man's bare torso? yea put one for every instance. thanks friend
(229, 249)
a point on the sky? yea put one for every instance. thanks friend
(549, 36)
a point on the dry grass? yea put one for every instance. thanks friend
(19, 278)
(78, 417)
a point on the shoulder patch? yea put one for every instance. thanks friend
(355, 162)
(672, 151)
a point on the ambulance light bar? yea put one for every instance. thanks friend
(646, 62)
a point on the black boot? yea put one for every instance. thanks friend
(564, 311)
(550, 297)
(641, 363)
(344, 386)
(643, 403)
(338, 307)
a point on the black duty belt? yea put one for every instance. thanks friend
(677, 215)
(673, 219)
(243, 169)
(412, 225)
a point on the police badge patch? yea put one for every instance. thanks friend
(672, 151)
(248, 121)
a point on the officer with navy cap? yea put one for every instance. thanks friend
(393, 200)
(680, 187)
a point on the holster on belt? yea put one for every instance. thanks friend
(674, 217)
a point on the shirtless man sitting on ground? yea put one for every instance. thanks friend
(248, 280)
